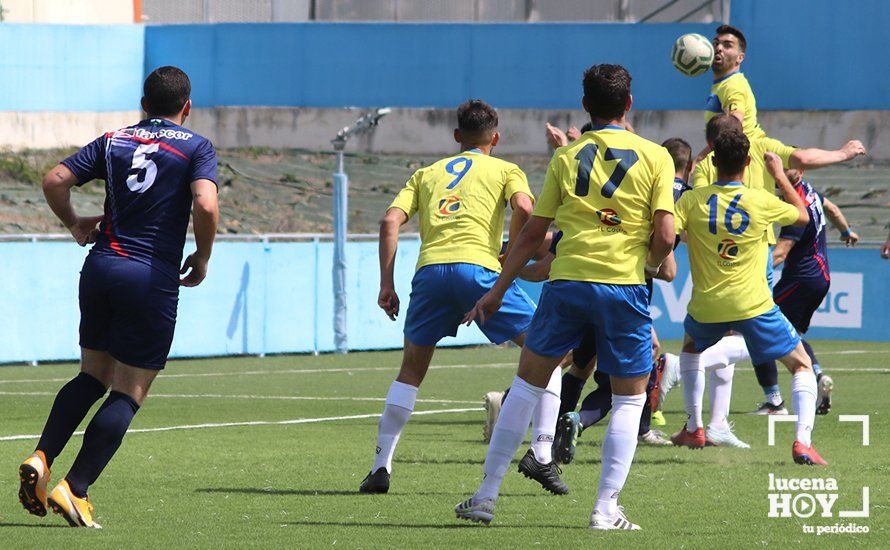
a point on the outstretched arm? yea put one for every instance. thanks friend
(774, 166)
(57, 186)
(837, 219)
(818, 158)
(205, 212)
(388, 300)
(780, 252)
(522, 210)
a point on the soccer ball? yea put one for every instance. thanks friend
(692, 54)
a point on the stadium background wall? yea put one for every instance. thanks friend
(65, 84)
(276, 297)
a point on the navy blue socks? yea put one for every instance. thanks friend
(72, 404)
(102, 439)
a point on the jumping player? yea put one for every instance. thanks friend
(610, 193)
(726, 226)
(155, 172)
(460, 201)
(756, 176)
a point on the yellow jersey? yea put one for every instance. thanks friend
(756, 175)
(725, 227)
(461, 201)
(733, 93)
(603, 190)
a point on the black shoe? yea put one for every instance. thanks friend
(375, 482)
(545, 474)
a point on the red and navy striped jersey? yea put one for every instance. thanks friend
(148, 169)
(808, 258)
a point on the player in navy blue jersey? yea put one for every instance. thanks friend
(155, 173)
(806, 277)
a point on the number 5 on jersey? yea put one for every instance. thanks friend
(143, 171)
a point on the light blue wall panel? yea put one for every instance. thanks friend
(71, 67)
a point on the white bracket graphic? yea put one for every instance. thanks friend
(771, 426)
(858, 418)
(857, 513)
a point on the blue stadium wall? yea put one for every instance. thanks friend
(533, 66)
(277, 298)
(89, 68)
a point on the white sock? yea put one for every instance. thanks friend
(729, 350)
(720, 386)
(619, 446)
(399, 405)
(693, 377)
(508, 435)
(803, 399)
(544, 419)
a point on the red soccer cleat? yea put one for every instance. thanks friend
(694, 440)
(806, 455)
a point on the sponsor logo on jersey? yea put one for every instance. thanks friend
(449, 205)
(728, 249)
(142, 133)
(609, 216)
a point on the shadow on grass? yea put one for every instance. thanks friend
(463, 525)
(34, 525)
(327, 492)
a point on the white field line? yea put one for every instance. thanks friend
(285, 371)
(259, 397)
(252, 423)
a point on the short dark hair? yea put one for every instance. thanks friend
(476, 121)
(719, 124)
(731, 152)
(729, 29)
(606, 90)
(680, 151)
(166, 90)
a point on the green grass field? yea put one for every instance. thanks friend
(302, 431)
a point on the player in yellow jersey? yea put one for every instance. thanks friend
(725, 227)
(460, 201)
(757, 176)
(608, 191)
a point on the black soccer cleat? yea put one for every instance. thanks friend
(375, 482)
(545, 474)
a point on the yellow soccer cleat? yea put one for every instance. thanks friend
(658, 418)
(34, 477)
(78, 512)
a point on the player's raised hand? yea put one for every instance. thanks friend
(573, 133)
(854, 148)
(485, 307)
(85, 229)
(388, 301)
(198, 266)
(555, 137)
(773, 164)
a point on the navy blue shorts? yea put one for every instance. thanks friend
(617, 314)
(128, 309)
(442, 293)
(798, 300)
(768, 336)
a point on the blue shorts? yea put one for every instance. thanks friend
(798, 300)
(768, 336)
(442, 293)
(618, 316)
(128, 309)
